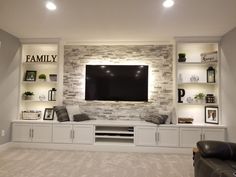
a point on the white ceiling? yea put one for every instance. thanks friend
(117, 20)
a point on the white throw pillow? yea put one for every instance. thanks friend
(72, 110)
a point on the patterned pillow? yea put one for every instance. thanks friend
(157, 119)
(62, 114)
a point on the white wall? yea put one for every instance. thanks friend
(9, 80)
(228, 83)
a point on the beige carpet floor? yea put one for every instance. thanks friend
(55, 163)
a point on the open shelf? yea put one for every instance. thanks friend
(196, 63)
(114, 134)
(197, 83)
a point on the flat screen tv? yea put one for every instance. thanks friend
(116, 82)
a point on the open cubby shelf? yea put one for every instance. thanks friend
(114, 134)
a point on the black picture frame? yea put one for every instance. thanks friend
(211, 115)
(30, 75)
(48, 114)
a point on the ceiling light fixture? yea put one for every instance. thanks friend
(51, 6)
(168, 3)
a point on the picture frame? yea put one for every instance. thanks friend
(48, 114)
(30, 75)
(211, 115)
(53, 77)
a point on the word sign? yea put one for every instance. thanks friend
(41, 58)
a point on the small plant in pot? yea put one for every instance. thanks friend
(199, 97)
(42, 77)
(182, 57)
(28, 95)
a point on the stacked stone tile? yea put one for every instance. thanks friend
(159, 58)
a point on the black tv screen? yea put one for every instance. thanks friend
(116, 82)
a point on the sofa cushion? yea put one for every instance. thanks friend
(213, 167)
(215, 149)
(62, 114)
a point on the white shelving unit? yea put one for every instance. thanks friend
(193, 66)
(41, 66)
(114, 134)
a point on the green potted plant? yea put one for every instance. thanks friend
(42, 77)
(28, 95)
(182, 57)
(199, 97)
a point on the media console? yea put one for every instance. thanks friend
(107, 133)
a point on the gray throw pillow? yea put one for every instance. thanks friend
(62, 114)
(80, 117)
(157, 119)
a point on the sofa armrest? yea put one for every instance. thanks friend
(215, 149)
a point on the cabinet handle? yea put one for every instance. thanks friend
(29, 133)
(204, 138)
(158, 136)
(32, 133)
(201, 137)
(71, 134)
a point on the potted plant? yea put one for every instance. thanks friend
(182, 57)
(42, 77)
(199, 97)
(28, 95)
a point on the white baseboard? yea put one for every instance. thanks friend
(5, 146)
(99, 147)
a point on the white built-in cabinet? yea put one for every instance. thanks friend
(190, 136)
(157, 136)
(145, 136)
(168, 136)
(119, 133)
(81, 134)
(62, 133)
(26, 132)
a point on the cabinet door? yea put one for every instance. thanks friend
(145, 136)
(189, 136)
(21, 132)
(217, 134)
(62, 133)
(168, 137)
(42, 133)
(83, 134)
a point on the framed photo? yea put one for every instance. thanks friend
(211, 115)
(48, 114)
(53, 77)
(30, 75)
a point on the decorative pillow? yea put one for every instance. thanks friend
(157, 119)
(72, 110)
(62, 114)
(80, 117)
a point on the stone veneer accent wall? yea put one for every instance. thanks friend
(159, 58)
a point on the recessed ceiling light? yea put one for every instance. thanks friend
(168, 3)
(51, 6)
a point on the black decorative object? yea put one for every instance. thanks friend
(182, 57)
(210, 98)
(181, 93)
(52, 95)
(211, 75)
